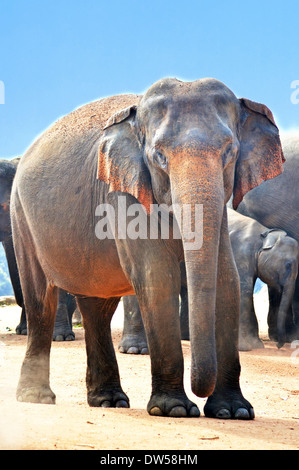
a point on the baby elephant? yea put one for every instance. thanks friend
(272, 256)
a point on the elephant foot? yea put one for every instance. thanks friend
(247, 343)
(291, 335)
(163, 404)
(133, 344)
(42, 394)
(231, 406)
(108, 399)
(21, 329)
(244, 345)
(63, 335)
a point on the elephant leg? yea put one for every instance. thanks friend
(227, 400)
(133, 338)
(293, 331)
(156, 282)
(102, 376)
(71, 306)
(63, 327)
(274, 302)
(40, 299)
(248, 328)
(21, 328)
(161, 320)
(291, 321)
(41, 303)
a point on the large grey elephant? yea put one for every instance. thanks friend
(275, 204)
(66, 303)
(185, 144)
(272, 256)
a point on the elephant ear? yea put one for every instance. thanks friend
(120, 158)
(269, 238)
(260, 157)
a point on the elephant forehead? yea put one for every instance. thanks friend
(194, 132)
(197, 107)
(172, 86)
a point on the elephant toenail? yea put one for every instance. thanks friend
(242, 413)
(223, 414)
(155, 411)
(121, 404)
(106, 404)
(194, 412)
(178, 412)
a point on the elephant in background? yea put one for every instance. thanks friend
(272, 256)
(67, 303)
(275, 204)
(8, 170)
(181, 145)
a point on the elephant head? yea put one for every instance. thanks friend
(278, 268)
(192, 143)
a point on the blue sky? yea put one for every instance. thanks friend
(58, 55)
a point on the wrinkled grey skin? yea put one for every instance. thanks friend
(275, 205)
(270, 255)
(182, 143)
(66, 303)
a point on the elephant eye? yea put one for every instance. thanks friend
(288, 265)
(160, 159)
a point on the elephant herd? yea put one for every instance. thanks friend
(181, 145)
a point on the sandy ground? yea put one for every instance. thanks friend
(269, 380)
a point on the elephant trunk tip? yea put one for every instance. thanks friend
(281, 334)
(280, 343)
(203, 385)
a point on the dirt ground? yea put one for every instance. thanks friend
(269, 380)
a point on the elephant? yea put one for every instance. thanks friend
(185, 146)
(267, 254)
(275, 204)
(67, 303)
(7, 172)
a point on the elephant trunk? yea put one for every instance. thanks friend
(285, 304)
(194, 193)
